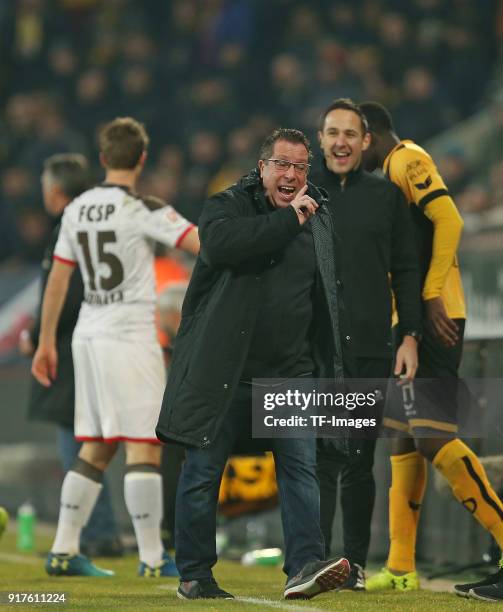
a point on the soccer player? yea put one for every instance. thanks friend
(430, 427)
(66, 176)
(109, 233)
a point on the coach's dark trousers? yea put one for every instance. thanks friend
(197, 496)
(354, 475)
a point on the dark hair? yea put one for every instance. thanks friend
(122, 142)
(70, 171)
(345, 104)
(288, 134)
(378, 117)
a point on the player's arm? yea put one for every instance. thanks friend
(429, 193)
(190, 242)
(166, 225)
(406, 287)
(447, 229)
(45, 361)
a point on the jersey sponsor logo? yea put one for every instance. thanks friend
(103, 299)
(414, 165)
(95, 212)
(415, 169)
(424, 185)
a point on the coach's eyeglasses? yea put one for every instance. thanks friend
(283, 165)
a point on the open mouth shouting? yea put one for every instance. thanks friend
(284, 172)
(287, 192)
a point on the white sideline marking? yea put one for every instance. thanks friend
(13, 558)
(275, 604)
(256, 601)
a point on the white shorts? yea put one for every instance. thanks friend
(119, 386)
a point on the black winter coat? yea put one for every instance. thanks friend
(56, 403)
(376, 238)
(239, 236)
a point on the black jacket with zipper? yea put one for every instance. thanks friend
(376, 240)
(240, 238)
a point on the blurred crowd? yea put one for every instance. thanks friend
(210, 78)
(477, 181)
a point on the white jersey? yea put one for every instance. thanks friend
(110, 234)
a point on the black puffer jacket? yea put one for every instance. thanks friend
(239, 236)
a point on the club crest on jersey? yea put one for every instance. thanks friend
(172, 216)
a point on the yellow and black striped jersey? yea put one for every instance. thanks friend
(437, 219)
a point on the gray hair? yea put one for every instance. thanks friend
(70, 171)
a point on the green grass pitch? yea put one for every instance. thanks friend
(256, 588)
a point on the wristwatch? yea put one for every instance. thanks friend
(414, 333)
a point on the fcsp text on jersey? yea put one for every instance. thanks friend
(96, 212)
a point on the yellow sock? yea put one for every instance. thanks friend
(408, 482)
(470, 485)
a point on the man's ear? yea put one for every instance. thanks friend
(261, 165)
(320, 136)
(367, 139)
(55, 199)
(103, 161)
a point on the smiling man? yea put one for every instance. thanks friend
(266, 267)
(375, 235)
